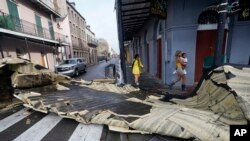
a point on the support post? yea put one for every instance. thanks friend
(27, 48)
(44, 49)
(121, 42)
(220, 32)
(1, 49)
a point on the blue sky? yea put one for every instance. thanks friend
(101, 17)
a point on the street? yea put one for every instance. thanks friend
(97, 71)
(22, 124)
(19, 124)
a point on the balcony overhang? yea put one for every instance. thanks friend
(135, 13)
(45, 7)
(23, 35)
(94, 45)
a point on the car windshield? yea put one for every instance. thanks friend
(69, 62)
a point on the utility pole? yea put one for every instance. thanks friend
(121, 42)
(220, 32)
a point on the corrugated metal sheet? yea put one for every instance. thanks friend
(222, 99)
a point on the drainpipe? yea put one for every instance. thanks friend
(121, 43)
(220, 33)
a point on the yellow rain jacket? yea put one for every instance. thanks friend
(136, 67)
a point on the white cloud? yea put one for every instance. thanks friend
(101, 17)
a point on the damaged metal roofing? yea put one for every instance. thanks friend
(222, 99)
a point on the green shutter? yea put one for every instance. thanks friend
(15, 23)
(51, 30)
(12, 9)
(39, 26)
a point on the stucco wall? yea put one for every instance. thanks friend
(10, 45)
(240, 48)
(181, 34)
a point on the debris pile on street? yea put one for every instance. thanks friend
(222, 99)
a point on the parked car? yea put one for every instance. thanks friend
(72, 67)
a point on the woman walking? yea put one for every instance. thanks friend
(136, 68)
(181, 76)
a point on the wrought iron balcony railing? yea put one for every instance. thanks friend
(15, 24)
(92, 43)
(48, 6)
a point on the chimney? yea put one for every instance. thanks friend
(73, 4)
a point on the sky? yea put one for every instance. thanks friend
(101, 17)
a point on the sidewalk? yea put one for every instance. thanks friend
(152, 84)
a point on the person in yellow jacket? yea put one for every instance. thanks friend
(136, 68)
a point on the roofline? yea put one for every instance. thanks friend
(90, 31)
(68, 3)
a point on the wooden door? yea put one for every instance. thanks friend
(159, 59)
(205, 46)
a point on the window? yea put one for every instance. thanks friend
(51, 30)
(69, 12)
(70, 26)
(39, 26)
(79, 61)
(72, 15)
(208, 17)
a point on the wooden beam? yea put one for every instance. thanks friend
(132, 14)
(136, 9)
(135, 21)
(135, 17)
(133, 3)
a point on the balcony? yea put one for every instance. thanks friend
(48, 6)
(92, 43)
(18, 25)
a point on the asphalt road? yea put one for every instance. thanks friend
(97, 71)
(20, 124)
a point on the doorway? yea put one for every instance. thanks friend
(205, 47)
(159, 59)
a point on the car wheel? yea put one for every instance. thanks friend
(76, 72)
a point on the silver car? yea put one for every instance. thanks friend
(72, 67)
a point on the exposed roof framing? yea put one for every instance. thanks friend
(134, 3)
(134, 14)
(136, 9)
(137, 14)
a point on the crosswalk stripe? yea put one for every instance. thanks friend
(94, 133)
(40, 129)
(12, 119)
(87, 133)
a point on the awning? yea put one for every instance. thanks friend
(134, 14)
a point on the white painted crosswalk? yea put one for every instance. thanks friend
(87, 133)
(12, 119)
(40, 129)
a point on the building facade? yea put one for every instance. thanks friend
(190, 26)
(78, 38)
(92, 45)
(102, 49)
(29, 29)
